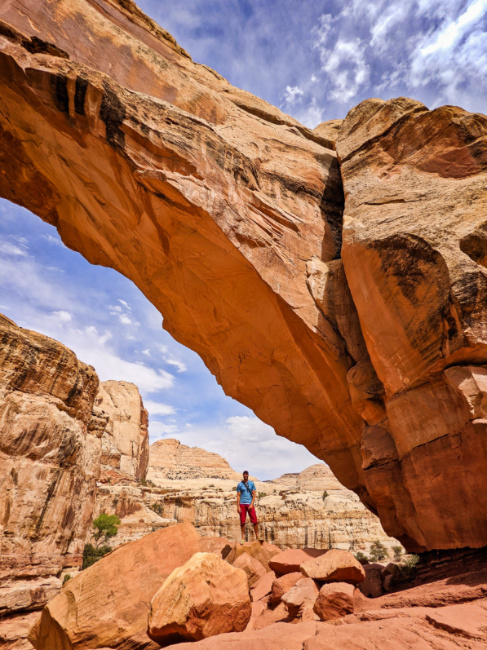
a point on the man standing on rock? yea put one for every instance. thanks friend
(245, 504)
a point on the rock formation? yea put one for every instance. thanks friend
(228, 214)
(49, 462)
(125, 442)
(188, 484)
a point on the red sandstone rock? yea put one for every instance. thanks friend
(49, 462)
(335, 600)
(283, 584)
(305, 590)
(371, 586)
(108, 603)
(263, 586)
(289, 561)
(335, 565)
(279, 636)
(252, 567)
(261, 551)
(203, 598)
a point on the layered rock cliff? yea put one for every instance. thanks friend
(191, 485)
(228, 215)
(50, 451)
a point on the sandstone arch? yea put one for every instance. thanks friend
(227, 214)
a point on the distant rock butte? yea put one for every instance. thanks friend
(340, 295)
(169, 459)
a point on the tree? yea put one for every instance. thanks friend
(377, 551)
(105, 528)
(325, 494)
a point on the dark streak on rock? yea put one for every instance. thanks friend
(79, 95)
(60, 90)
(112, 113)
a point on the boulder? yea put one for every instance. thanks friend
(334, 565)
(263, 586)
(252, 567)
(203, 598)
(371, 586)
(335, 600)
(282, 585)
(305, 590)
(108, 603)
(261, 551)
(265, 615)
(289, 561)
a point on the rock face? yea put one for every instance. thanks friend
(49, 462)
(227, 214)
(414, 252)
(120, 586)
(125, 442)
(203, 598)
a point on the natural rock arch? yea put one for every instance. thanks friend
(227, 214)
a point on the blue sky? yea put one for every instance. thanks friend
(315, 60)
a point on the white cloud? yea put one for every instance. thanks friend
(147, 352)
(157, 408)
(181, 367)
(159, 430)
(292, 95)
(55, 241)
(125, 304)
(124, 319)
(63, 316)
(6, 248)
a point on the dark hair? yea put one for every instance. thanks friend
(245, 472)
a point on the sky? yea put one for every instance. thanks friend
(315, 60)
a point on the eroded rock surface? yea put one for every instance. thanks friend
(414, 252)
(125, 442)
(227, 214)
(49, 462)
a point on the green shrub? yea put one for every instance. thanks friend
(325, 494)
(66, 578)
(398, 551)
(261, 494)
(361, 557)
(377, 551)
(158, 508)
(410, 562)
(92, 554)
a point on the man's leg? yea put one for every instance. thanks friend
(256, 530)
(243, 517)
(253, 519)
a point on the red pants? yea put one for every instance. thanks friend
(244, 509)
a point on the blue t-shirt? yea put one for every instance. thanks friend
(246, 492)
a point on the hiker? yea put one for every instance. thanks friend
(245, 504)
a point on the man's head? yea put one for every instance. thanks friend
(245, 476)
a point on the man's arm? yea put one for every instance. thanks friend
(253, 498)
(238, 501)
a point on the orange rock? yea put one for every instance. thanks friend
(261, 551)
(305, 590)
(289, 561)
(278, 636)
(283, 584)
(335, 600)
(263, 586)
(252, 567)
(372, 585)
(334, 565)
(108, 603)
(203, 598)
